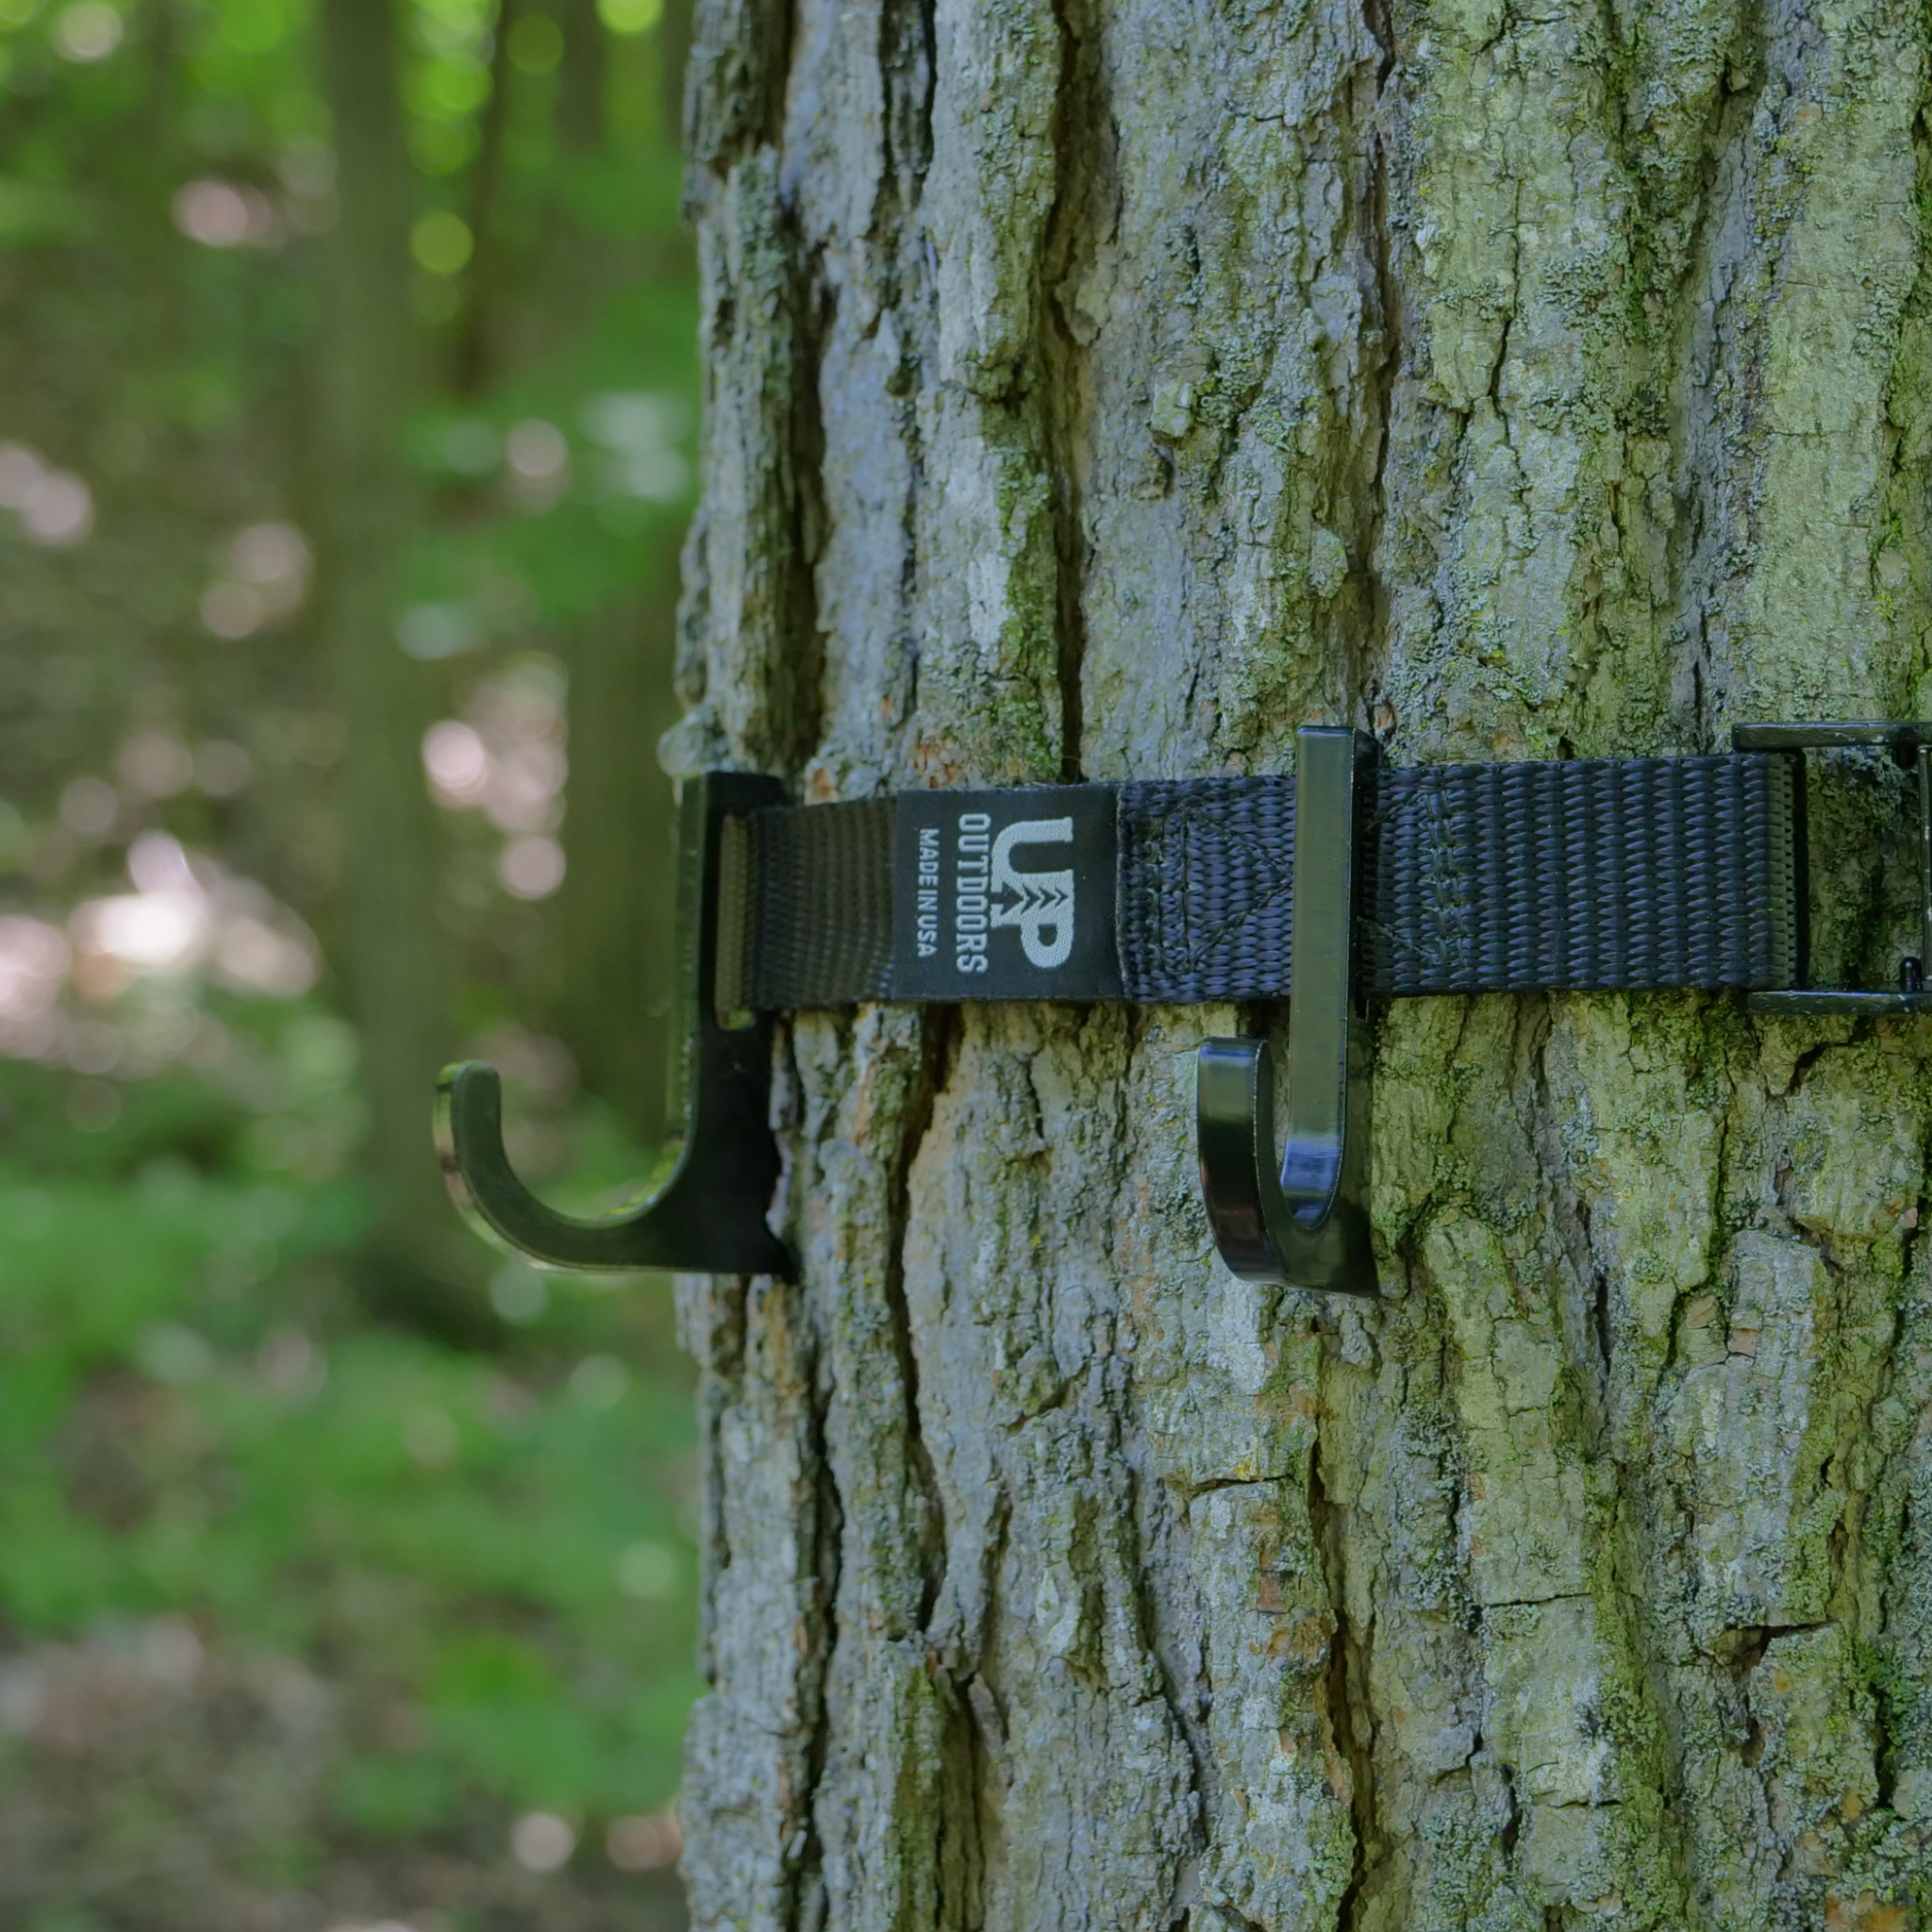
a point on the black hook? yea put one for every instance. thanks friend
(708, 1212)
(1310, 1228)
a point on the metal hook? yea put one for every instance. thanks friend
(1310, 1228)
(707, 1213)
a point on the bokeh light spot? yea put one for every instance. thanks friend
(233, 610)
(531, 868)
(457, 762)
(155, 765)
(541, 1842)
(644, 1845)
(89, 807)
(647, 1572)
(599, 1381)
(430, 631)
(630, 16)
(89, 30)
(536, 43)
(519, 1293)
(223, 215)
(442, 242)
(59, 511)
(430, 1438)
(222, 768)
(21, 472)
(471, 447)
(537, 450)
(269, 553)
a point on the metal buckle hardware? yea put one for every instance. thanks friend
(708, 1214)
(1909, 744)
(1310, 1227)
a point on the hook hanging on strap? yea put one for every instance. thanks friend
(707, 1213)
(1310, 1227)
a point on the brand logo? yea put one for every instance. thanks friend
(1042, 902)
(1005, 894)
(990, 891)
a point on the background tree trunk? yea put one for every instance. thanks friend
(1107, 389)
(621, 830)
(367, 380)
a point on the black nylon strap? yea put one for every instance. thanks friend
(1615, 873)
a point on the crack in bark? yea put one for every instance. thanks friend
(1346, 1695)
(939, 1028)
(1379, 18)
(803, 1882)
(1080, 118)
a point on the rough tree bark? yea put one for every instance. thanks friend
(1104, 388)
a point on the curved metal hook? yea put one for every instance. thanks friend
(707, 1213)
(1264, 1230)
(1310, 1229)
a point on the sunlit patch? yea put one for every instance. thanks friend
(599, 1381)
(274, 555)
(639, 432)
(226, 214)
(265, 571)
(444, 630)
(538, 454)
(174, 1354)
(647, 1572)
(306, 166)
(55, 506)
(155, 765)
(470, 447)
(307, 171)
(187, 915)
(541, 1842)
(233, 610)
(21, 472)
(457, 762)
(644, 1845)
(506, 761)
(630, 16)
(34, 959)
(222, 768)
(292, 1365)
(89, 807)
(89, 30)
(531, 868)
(60, 512)
(519, 1293)
(442, 242)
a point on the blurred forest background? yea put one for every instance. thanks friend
(346, 438)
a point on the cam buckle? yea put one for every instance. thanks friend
(1909, 744)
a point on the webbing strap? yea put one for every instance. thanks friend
(1614, 872)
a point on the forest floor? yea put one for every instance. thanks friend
(310, 1622)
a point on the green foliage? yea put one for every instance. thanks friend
(485, 1556)
(195, 1422)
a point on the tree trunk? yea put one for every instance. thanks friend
(620, 834)
(611, 915)
(366, 367)
(1109, 390)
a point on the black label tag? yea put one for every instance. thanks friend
(1005, 895)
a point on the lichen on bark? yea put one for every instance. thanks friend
(1104, 389)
